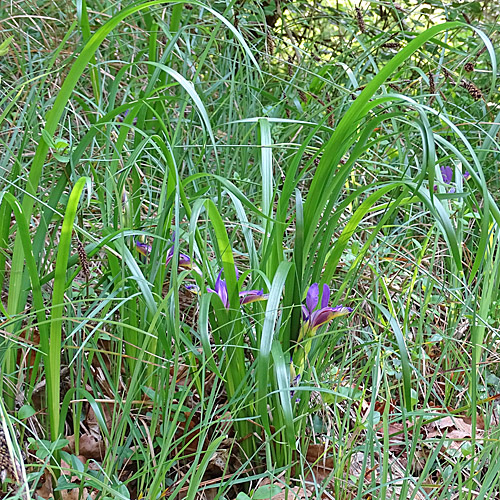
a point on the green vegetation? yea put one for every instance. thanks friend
(249, 250)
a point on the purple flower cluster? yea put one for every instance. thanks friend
(220, 287)
(145, 249)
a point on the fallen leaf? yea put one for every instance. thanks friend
(90, 447)
(278, 491)
(295, 493)
(45, 491)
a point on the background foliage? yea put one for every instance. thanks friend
(258, 148)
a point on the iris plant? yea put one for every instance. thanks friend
(312, 319)
(246, 297)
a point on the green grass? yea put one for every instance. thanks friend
(306, 151)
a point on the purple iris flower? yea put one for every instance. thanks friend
(145, 249)
(221, 290)
(246, 297)
(120, 118)
(184, 260)
(447, 175)
(249, 296)
(313, 319)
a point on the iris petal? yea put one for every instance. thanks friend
(246, 297)
(326, 314)
(325, 298)
(312, 297)
(170, 254)
(221, 291)
(447, 174)
(143, 248)
(184, 261)
(341, 310)
(218, 283)
(250, 296)
(305, 313)
(320, 317)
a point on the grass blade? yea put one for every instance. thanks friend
(52, 349)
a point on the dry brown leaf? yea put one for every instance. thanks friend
(322, 465)
(218, 462)
(91, 420)
(318, 454)
(187, 430)
(295, 493)
(287, 493)
(450, 424)
(446, 422)
(45, 491)
(74, 493)
(90, 447)
(457, 429)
